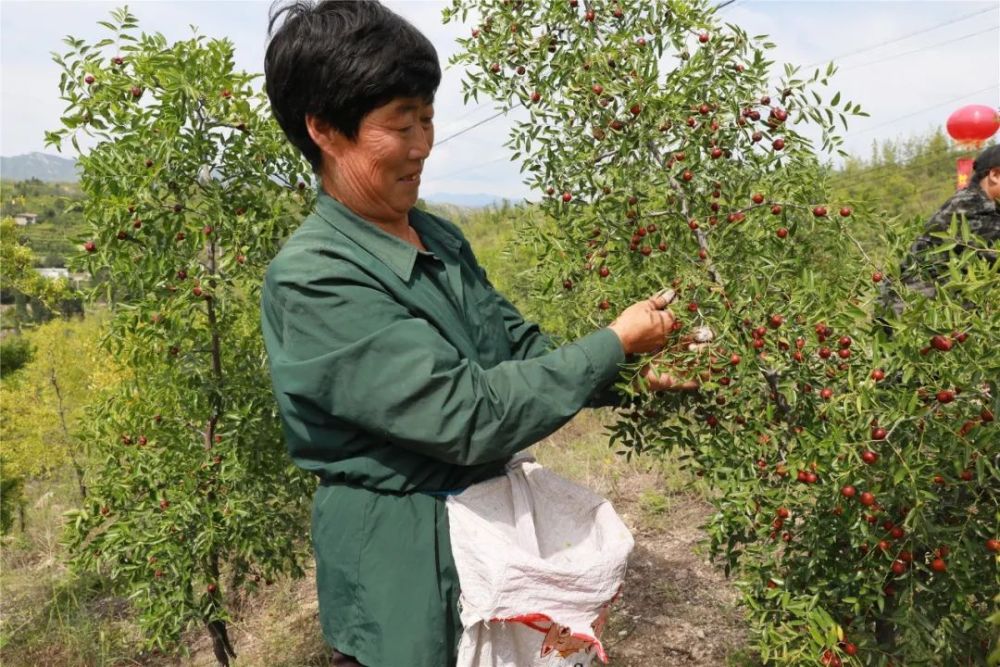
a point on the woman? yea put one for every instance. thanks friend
(400, 373)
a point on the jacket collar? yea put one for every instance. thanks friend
(395, 253)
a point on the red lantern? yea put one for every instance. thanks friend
(972, 125)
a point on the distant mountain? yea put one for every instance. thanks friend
(478, 200)
(51, 168)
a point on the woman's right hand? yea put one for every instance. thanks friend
(644, 326)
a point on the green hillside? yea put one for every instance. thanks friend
(51, 238)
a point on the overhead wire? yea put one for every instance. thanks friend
(502, 112)
(897, 39)
(920, 111)
(922, 48)
(727, 3)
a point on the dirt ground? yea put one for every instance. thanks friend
(676, 609)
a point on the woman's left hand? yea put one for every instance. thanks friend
(658, 377)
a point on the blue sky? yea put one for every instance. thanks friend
(909, 85)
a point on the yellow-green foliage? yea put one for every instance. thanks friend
(17, 270)
(43, 402)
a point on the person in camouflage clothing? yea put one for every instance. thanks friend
(977, 205)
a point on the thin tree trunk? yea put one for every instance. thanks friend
(69, 438)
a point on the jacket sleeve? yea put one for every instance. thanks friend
(342, 345)
(528, 342)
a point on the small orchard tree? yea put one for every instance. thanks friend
(190, 188)
(45, 400)
(854, 474)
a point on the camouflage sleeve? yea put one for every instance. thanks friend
(970, 205)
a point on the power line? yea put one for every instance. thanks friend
(898, 39)
(473, 168)
(922, 48)
(465, 115)
(867, 129)
(474, 126)
(920, 111)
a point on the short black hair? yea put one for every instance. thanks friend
(339, 60)
(988, 159)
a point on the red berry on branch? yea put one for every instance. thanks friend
(945, 396)
(819, 211)
(848, 491)
(877, 277)
(757, 198)
(878, 374)
(938, 565)
(567, 197)
(941, 343)
(867, 499)
(778, 144)
(703, 37)
(845, 212)
(879, 433)
(869, 457)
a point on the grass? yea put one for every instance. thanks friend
(56, 618)
(50, 615)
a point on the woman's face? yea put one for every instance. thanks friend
(378, 174)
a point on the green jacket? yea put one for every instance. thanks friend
(399, 372)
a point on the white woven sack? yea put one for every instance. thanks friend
(539, 561)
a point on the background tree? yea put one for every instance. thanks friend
(856, 475)
(190, 188)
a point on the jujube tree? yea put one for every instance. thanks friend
(190, 188)
(853, 453)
